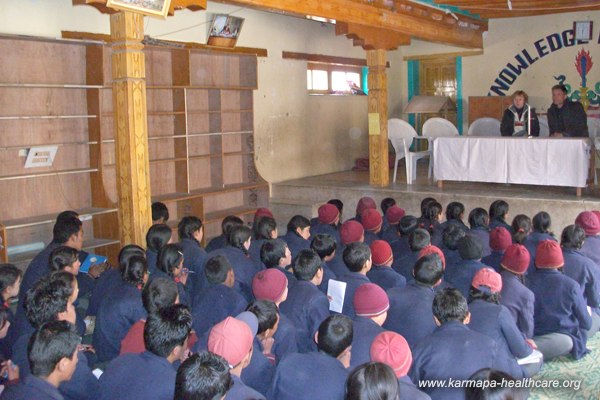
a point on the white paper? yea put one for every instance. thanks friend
(97, 373)
(535, 357)
(336, 291)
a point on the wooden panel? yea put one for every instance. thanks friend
(205, 173)
(487, 106)
(158, 67)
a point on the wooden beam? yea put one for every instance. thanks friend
(319, 58)
(372, 38)
(379, 169)
(444, 55)
(469, 36)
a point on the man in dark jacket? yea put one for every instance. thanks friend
(566, 118)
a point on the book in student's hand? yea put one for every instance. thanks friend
(90, 260)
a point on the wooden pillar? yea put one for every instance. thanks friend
(131, 126)
(379, 172)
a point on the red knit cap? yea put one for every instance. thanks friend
(371, 219)
(269, 284)
(231, 339)
(263, 212)
(489, 278)
(351, 232)
(516, 259)
(394, 214)
(589, 222)
(365, 203)
(328, 213)
(431, 249)
(548, 254)
(370, 300)
(381, 251)
(500, 239)
(392, 349)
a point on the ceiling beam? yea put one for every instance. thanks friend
(372, 38)
(467, 35)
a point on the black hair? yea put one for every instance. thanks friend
(572, 237)
(450, 305)
(479, 218)
(430, 216)
(52, 342)
(134, 270)
(335, 335)
(485, 295)
(47, 298)
(470, 248)
(4, 315)
(387, 203)
(9, 274)
(451, 236)
(157, 236)
(238, 235)
(297, 221)
(489, 384)
(455, 210)
(216, 269)
(419, 239)
(425, 203)
(167, 329)
(127, 252)
(62, 257)
(188, 226)
(372, 381)
(159, 293)
(356, 255)
(266, 312)
(67, 214)
(428, 270)
(407, 225)
(265, 228)
(229, 222)
(542, 222)
(64, 228)
(203, 376)
(169, 258)
(498, 210)
(323, 244)
(272, 251)
(561, 87)
(160, 210)
(306, 265)
(521, 226)
(338, 204)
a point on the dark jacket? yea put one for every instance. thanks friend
(519, 301)
(507, 126)
(570, 119)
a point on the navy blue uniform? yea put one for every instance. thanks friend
(184, 296)
(31, 387)
(138, 377)
(410, 312)
(585, 272)
(326, 229)
(337, 265)
(531, 242)
(365, 330)
(400, 247)
(243, 267)
(285, 337)
(461, 275)
(254, 250)
(405, 264)
(499, 223)
(408, 390)
(519, 301)
(152, 260)
(119, 310)
(104, 283)
(239, 391)
(313, 375)
(452, 257)
(370, 237)
(385, 277)
(390, 234)
(560, 308)
(306, 306)
(353, 281)
(259, 373)
(216, 243)
(494, 260)
(590, 248)
(214, 304)
(296, 243)
(194, 259)
(483, 234)
(327, 275)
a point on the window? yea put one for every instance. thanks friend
(337, 79)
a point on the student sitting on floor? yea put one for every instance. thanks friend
(540, 230)
(590, 223)
(157, 237)
(10, 286)
(190, 232)
(325, 246)
(430, 221)
(431, 249)
(266, 229)
(382, 272)
(151, 374)
(364, 203)
(372, 222)
(455, 213)
(297, 236)
(372, 381)
(450, 239)
(327, 222)
(53, 356)
(371, 305)
(515, 296)
(306, 306)
(499, 215)
(319, 374)
(350, 232)
(385, 205)
(500, 239)
(479, 220)
(203, 376)
(357, 257)
(227, 224)
(392, 349)
(406, 226)
(560, 313)
(461, 275)
(170, 265)
(417, 241)
(259, 373)
(393, 215)
(160, 213)
(276, 254)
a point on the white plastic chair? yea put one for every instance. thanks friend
(485, 127)
(544, 128)
(593, 127)
(434, 128)
(401, 134)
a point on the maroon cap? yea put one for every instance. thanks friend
(370, 300)
(392, 349)
(263, 212)
(269, 284)
(489, 278)
(371, 220)
(394, 214)
(365, 203)
(328, 213)
(500, 239)
(516, 259)
(381, 251)
(548, 254)
(351, 232)
(431, 249)
(589, 221)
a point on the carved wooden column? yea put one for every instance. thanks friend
(131, 126)
(379, 172)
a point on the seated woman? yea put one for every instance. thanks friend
(520, 119)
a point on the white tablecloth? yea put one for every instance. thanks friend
(536, 161)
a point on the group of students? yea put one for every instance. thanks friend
(249, 317)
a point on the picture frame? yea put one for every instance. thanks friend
(224, 30)
(152, 8)
(583, 30)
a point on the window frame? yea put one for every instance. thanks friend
(330, 68)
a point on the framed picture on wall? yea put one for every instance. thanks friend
(153, 8)
(225, 30)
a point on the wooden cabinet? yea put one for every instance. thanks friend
(488, 106)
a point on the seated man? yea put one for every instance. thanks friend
(203, 376)
(565, 117)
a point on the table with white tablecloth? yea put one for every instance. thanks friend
(530, 161)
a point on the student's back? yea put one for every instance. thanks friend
(214, 304)
(519, 301)
(31, 387)
(244, 267)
